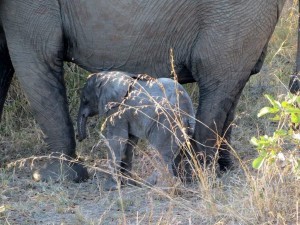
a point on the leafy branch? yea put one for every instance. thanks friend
(285, 139)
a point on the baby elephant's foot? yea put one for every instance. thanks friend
(129, 181)
(111, 184)
(152, 179)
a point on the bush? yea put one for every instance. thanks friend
(283, 145)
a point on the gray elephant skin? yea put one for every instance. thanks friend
(158, 110)
(217, 44)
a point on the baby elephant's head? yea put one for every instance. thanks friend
(88, 106)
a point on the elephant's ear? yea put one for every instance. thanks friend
(111, 89)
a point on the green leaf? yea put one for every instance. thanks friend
(291, 132)
(280, 132)
(254, 141)
(297, 98)
(257, 163)
(266, 110)
(275, 118)
(263, 154)
(292, 110)
(273, 102)
(265, 140)
(270, 99)
(295, 118)
(285, 104)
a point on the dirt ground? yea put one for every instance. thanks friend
(24, 201)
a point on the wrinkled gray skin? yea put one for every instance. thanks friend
(158, 110)
(217, 44)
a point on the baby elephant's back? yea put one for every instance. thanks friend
(174, 101)
(182, 102)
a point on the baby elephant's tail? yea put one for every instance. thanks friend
(191, 123)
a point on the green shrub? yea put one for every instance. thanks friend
(284, 143)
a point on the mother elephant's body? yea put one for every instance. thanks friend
(216, 43)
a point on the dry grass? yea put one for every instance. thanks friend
(242, 196)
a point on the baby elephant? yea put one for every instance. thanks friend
(159, 110)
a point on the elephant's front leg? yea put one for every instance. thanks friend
(117, 137)
(37, 50)
(46, 92)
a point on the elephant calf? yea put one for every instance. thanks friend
(159, 110)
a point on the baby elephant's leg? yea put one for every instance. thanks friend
(168, 158)
(165, 143)
(126, 164)
(117, 137)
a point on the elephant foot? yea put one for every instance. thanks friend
(184, 170)
(60, 170)
(225, 165)
(152, 179)
(111, 184)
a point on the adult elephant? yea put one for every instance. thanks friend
(217, 44)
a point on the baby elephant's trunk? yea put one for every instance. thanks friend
(81, 125)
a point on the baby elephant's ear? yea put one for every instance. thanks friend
(111, 88)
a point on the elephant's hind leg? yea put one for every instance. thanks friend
(224, 74)
(214, 117)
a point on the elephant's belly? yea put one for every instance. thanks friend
(123, 58)
(126, 35)
(121, 51)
